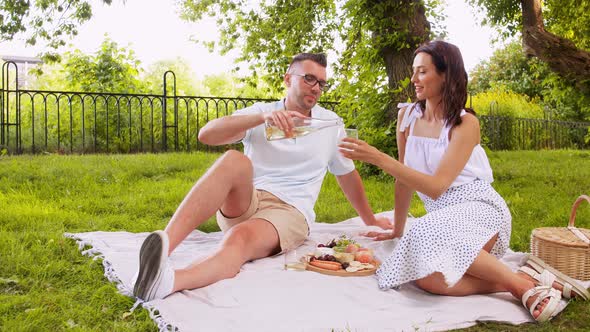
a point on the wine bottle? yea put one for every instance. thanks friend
(303, 127)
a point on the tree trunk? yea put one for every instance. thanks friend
(398, 62)
(562, 56)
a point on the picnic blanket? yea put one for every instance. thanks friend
(265, 297)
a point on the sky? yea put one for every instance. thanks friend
(157, 33)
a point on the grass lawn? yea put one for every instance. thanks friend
(47, 285)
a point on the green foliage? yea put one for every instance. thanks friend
(110, 69)
(518, 122)
(50, 21)
(509, 69)
(187, 84)
(566, 100)
(503, 102)
(360, 37)
(228, 85)
(505, 15)
(363, 88)
(566, 18)
(270, 33)
(120, 120)
(184, 78)
(47, 285)
(569, 19)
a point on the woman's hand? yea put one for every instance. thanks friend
(382, 236)
(383, 223)
(357, 149)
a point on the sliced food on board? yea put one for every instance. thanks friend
(342, 257)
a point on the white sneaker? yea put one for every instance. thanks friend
(155, 278)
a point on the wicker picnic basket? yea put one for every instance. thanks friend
(565, 248)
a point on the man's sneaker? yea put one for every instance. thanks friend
(155, 278)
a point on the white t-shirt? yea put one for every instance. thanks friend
(293, 169)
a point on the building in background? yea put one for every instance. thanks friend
(24, 65)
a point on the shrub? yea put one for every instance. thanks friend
(501, 102)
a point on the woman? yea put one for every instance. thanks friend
(453, 249)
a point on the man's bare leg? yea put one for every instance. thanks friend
(251, 239)
(226, 185)
(221, 187)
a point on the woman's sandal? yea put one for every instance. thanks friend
(547, 275)
(543, 292)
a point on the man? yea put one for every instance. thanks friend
(264, 198)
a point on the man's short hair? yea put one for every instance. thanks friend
(319, 58)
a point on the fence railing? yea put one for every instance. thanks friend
(33, 121)
(508, 133)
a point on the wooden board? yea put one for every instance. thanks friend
(343, 273)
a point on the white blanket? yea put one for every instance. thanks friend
(265, 297)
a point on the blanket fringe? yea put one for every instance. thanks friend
(112, 276)
(163, 325)
(109, 272)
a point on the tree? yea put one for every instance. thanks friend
(111, 69)
(186, 85)
(510, 69)
(370, 44)
(378, 36)
(50, 21)
(565, 50)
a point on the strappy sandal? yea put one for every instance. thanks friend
(547, 275)
(543, 292)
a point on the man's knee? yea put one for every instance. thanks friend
(237, 238)
(232, 160)
(249, 241)
(235, 156)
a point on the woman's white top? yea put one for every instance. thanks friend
(425, 153)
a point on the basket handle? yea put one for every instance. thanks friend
(575, 208)
(571, 226)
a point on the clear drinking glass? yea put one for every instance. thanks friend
(293, 262)
(352, 132)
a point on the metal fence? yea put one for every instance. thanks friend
(34, 121)
(508, 133)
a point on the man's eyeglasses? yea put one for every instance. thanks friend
(312, 80)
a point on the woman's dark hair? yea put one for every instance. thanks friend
(447, 60)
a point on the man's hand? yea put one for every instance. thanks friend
(283, 120)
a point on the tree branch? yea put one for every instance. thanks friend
(559, 53)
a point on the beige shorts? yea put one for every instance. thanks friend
(286, 219)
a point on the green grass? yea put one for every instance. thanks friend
(47, 285)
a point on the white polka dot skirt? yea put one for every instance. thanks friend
(450, 236)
